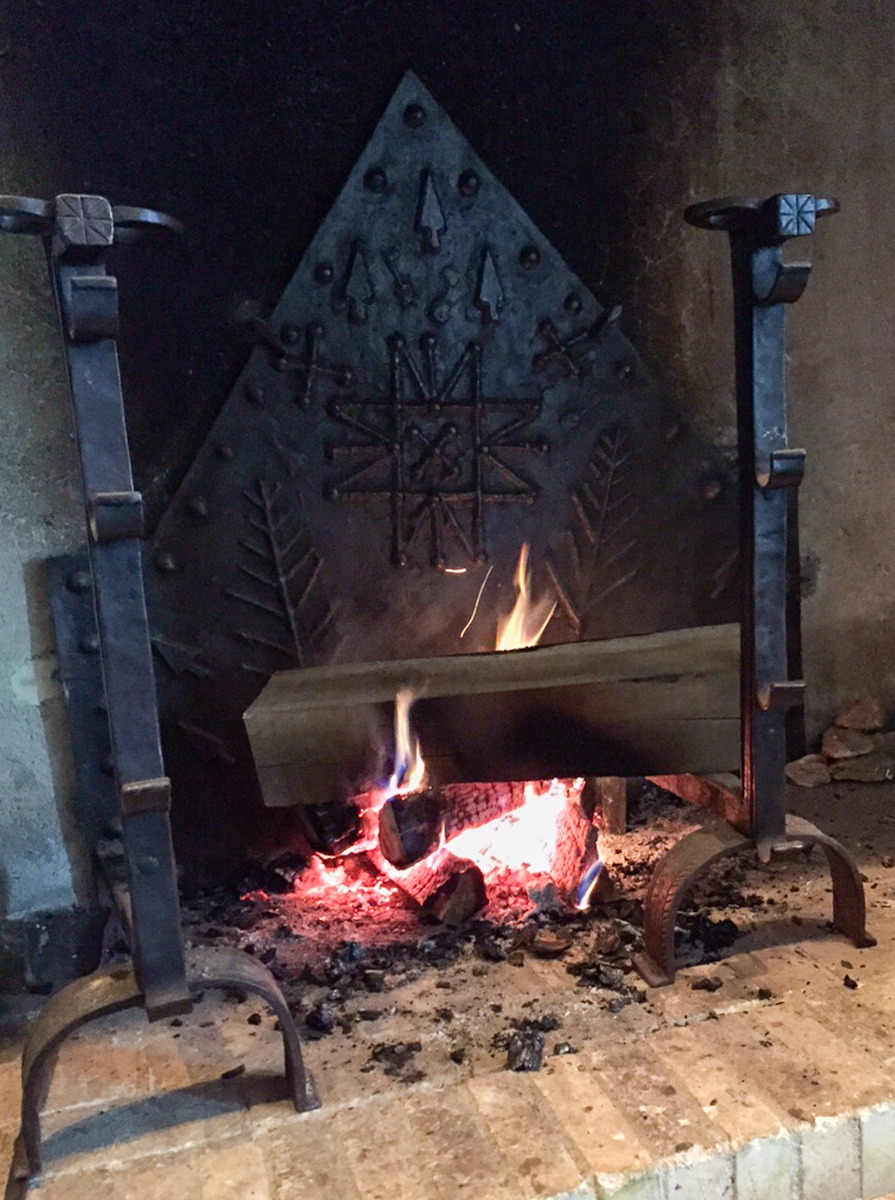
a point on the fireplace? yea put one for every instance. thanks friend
(351, 502)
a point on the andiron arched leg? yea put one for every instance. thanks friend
(679, 869)
(114, 989)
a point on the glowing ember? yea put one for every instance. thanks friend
(409, 773)
(342, 877)
(525, 839)
(529, 618)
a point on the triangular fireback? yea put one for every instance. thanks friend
(434, 388)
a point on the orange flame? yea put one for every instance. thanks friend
(524, 839)
(526, 623)
(409, 773)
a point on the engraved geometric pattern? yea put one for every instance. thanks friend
(432, 449)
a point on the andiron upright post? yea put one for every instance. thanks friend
(763, 284)
(78, 231)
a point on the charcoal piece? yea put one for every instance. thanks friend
(564, 1048)
(548, 944)
(253, 1019)
(321, 1018)
(546, 1023)
(234, 1072)
(373, 981)
(369, 1014)
(708, 983)
(617, 1003)
(395, 1055)
(329, 828)
(491, 949)
(525, 1050)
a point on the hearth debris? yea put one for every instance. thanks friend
(354, 955)
(856, 748)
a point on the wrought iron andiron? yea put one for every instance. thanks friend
(77, 232)
(762, 284)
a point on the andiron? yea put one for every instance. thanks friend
(763, 284)
(78, 231)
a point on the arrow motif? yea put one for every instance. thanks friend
(488, 293)
(358, 292)
(430, 220)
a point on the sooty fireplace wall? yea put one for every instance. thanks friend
(641, 113)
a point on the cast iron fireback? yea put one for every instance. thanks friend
(434, 388)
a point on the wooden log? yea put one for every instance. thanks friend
(655, 704)
(721, 794)
(410, 827)
(612, 803)
(449, 888)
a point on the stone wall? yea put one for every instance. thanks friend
(765, 98)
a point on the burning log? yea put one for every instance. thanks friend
(451, 889)
(655, 704)
(410, 827)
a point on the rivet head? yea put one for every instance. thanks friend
(225, 453)
(290, 334)
(165, 563)
(624, 369)
(79, 582)
(254, 393)
(469, 183)
(711, 489)
(324, 272)
(414, 116)
(529, 256)
(346, 377)
(572, 304)
(89, 644)
(198, 506)
(376, 180)
(428, 341)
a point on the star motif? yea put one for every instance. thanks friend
(434, 448)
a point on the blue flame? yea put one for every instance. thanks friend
(587, 885)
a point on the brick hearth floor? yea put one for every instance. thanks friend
(720, 1096)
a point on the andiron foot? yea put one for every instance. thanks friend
(114, 989)
(676, 873)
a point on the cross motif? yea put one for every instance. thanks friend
(434, 448)
(307, 366)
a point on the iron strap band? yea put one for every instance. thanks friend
(145, 795)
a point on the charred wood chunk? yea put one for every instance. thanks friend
(460, 897)
(410, 827)
(330, 828)
(525, 1051)
(449, 888)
